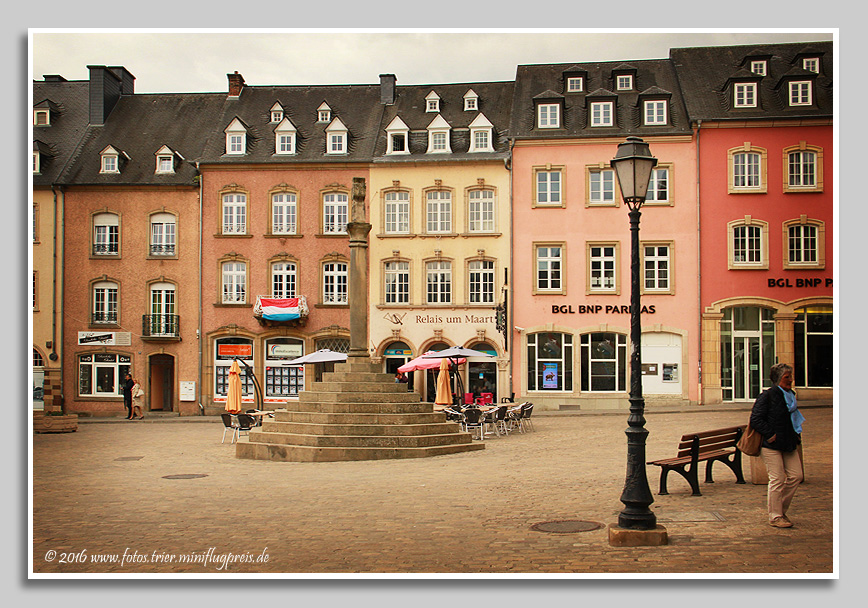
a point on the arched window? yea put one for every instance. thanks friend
(106, 234)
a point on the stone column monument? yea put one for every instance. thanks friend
(358, 230)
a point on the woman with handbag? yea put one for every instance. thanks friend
(138, 399)
(776, 417)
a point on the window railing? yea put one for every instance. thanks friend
(105, 248)
(104, 317)
(161, 326)
(163, 249)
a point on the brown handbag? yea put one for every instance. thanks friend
(750, 442)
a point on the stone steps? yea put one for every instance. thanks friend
(355, 413)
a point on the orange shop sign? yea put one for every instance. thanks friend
(245, 351)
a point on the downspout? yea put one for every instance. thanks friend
(199, 290)
(510, 312)
(699, 263)
(53, 356)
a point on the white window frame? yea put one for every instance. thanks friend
(798, 161)
(233, 283)
(233, 213)
(36, 162)
(438, 211)
(800, 93)
(284, 279)
(40, 113)
(812, 64)
(480, 277)
(284, 213)
(471, 101)
(744, 95)
(602, 113)
(480, 210)
(335, 283)
(480, 140)
(624, 82)
(438, 141)
(106, 234)
(396, 278)
(747, 244)
(656, 112)
(659, 186)
(549, 268)
(335, 212)
(438, 282)
(106, 303)
(601, 187)
(603, 268)
(548, 192)
(759, 67)
(165, 163)
(109, 163)
(163, 235)
(747, 170)
(575, 84)
(548, 115)
(120, 366)
(162, 306)
(432, 102)
(656, 268)
(803, 244)
(396, 212)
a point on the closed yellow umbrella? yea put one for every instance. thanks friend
(444, 392)
(233, 390)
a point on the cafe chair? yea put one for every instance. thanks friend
(229, 424)
(468, 398)
(257, 420)
(473, 420)
(245, 423)
(526, 411)
(514, 417)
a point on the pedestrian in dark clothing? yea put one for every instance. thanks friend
(129, 383)
(776, 417)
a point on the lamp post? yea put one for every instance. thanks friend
(633, 164)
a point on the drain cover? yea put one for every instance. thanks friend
(185, 476)
(566, 526)
(125, 458)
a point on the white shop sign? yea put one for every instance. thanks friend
(106, 338)
(187, 390)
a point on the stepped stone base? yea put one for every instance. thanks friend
(355, 413)
(46, 423)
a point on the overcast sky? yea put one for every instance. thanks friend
(198, 60)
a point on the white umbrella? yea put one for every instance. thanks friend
(323, 355)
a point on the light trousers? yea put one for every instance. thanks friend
(785, 475)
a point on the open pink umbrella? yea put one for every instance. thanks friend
(233, 389)
(425, 363)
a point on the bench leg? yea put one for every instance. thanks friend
(664, 472)
(692, 477)
(708, 478)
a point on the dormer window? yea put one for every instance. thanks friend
(481, 139)
(602, 113)
(110, 160)
(397, 137)
(165, 160)
(432, 102)
(624, 82)
(438, 136)
(41, 118)
(324, 113)
(575, 84)
(284, 137)
(548, 115)
(471, 101)
(744, 95)
(236, 137)
(336, 137)
(276, 113)
(655, 112)
(36, 161)
(812, 64)
(800, 93)
(759, 67)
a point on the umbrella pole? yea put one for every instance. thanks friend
(249, 371)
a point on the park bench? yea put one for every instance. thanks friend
(708, 447)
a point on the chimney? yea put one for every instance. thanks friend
(387, 88)
(128, 81)
(236, 83)
(104, 91)
(53, 78)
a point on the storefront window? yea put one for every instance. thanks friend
(604, 362)
(482, 372)
(550, 362)
(282, 380)
(227, 350)
(747, 351)
(814, 348)
(102, 374)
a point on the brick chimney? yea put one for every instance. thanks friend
(236, 83)
(387, 88)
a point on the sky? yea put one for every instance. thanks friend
(198, 60)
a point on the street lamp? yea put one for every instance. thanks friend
(633, 164)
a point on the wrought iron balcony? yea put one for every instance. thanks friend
(163, 249)
(161, 326)
(104, 317)
(105, 248)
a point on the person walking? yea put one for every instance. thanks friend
(138, 400)
(775, 416)
(128, 395)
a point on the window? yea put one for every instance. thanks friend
(106, 234)
(575, 84)
(105, 302)
(747, 169)
(396, 212)
(480, 211)
(758, 67)
(236, 137)
(439, 282)
(397, 276)
(549, 186)
(432, 102)
(601, 186)
(602, 268)
(748, 244)
(814, 352)
(234, 213)
(323, 113)
(550, 362)
(234, 282)
(481, 276)
(800, 93)
(162, 234)
(548, 116)
(656, 265)
(625, 82)
(471, 101)
(35, 225)
(283, 280)
(335, 283)
(336, 138)
(549, 267)
(655, 112)
(276, 113)
(397, 137)
(398, 143)
(41, 118)
(438, 141)
(35, 290)
(335, 213)
(162, 322)
(602, 113)
(284, 137)
(812, 64)
(803, 168)
(102, 374)
(438, 136)
(438, 211)
(165, 165)
(744, 95)
(36, 163)
(658, 186)
(109, 163)
(226, 350)
(604, 362)
(282, 380)
(481, 139)
(283, 213)
(804, 243)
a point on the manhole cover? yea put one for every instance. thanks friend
(125, 458)
(567, 526)
(185, 476)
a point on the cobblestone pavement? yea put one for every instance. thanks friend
(103, 491)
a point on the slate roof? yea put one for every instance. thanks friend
(68, 104)
(654, 78)
(706, 74)
(494, 101)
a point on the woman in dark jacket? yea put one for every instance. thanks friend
(776, 417)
